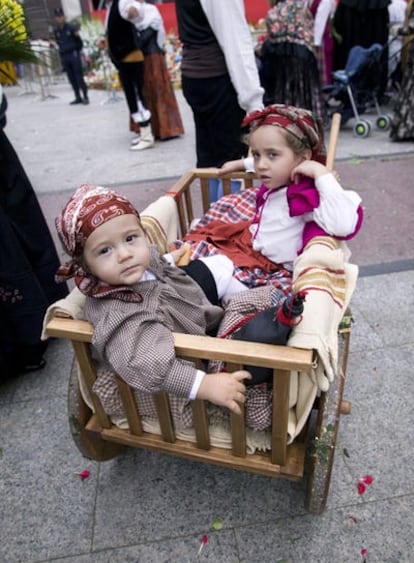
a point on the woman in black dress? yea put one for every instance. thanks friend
(28, 263)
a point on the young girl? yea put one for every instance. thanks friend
(137, 298)
(299, 197)
(299, 205)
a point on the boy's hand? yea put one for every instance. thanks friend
(181, 256)
(224, 389)
(309, 168)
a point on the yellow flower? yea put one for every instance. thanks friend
(14, 45)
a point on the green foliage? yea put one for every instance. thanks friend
(14, 45)
(322, 446)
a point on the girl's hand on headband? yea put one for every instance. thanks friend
(310, 168)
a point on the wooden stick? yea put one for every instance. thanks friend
(333, 140)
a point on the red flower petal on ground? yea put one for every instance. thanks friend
(364, 552)
(361, 488)
(367, 479)
(84, 474)
(204, 540)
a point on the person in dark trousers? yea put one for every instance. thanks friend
(70, 46)
(125, 51)
(220, 79)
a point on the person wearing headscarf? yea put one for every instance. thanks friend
(136, 298)
(299, 198)
(157, 88)
(125, 51)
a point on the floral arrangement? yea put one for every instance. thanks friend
(259, 32)
(14, 44)
(173, 55)
(100, 73)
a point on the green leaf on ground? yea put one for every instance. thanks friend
(217, 524)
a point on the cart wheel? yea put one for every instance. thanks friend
(324, 443)
(362, 128)
(89, 442)
(383, 122)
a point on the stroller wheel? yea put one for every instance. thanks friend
(383, 122)
(362, 128)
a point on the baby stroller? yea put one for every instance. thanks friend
(358, 86)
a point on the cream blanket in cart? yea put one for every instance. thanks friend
(324, 272)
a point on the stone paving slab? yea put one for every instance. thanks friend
(386, 187)
(146, 506)
(62, 146)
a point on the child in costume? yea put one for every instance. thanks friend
(299, 209)
(299, 198)
(137, 298)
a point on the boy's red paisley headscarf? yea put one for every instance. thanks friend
(299, 122)
(88, 208)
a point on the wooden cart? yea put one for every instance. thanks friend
(311, 454)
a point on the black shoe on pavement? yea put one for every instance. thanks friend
(76, 101)
(85, 101)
